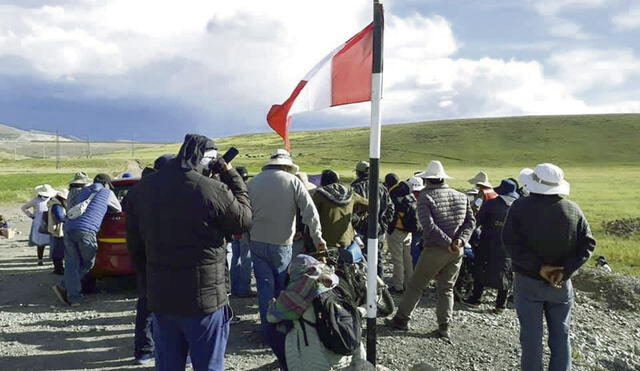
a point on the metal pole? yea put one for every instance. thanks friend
(374, 176)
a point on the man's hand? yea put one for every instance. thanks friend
(456, 245)
(551, 273)
(556, 279)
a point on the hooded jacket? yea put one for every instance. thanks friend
(179, 217)
(335, 204)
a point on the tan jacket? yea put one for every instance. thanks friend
(54, 227)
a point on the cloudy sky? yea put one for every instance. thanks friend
(155, 69)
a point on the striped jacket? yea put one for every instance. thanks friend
(445, 214)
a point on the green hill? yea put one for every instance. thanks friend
(599, 154)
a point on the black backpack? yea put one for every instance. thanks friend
(337, 323)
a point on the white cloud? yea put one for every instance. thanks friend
(241, 57)
(560, 25)
(627, 20)
(584, 69)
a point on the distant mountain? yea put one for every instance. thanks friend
(9, 133)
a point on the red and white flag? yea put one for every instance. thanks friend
(342, 77)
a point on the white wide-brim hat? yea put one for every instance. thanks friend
(45, 190)
(434, 170)
(481, 179)
(546, 179)
(64, 193)
(282, 158)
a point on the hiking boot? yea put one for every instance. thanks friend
(470, 303)
(58, 267)
(397, 323)
(145, 358)
(61, 294)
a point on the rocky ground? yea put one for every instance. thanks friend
(36, 333)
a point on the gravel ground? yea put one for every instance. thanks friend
(36, 333)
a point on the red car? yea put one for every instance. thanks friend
(112, 258)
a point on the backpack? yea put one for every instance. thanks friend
(337, 322)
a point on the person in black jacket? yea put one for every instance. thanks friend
(180, 217)
(492, 266)
(385, 213)
(548, 238)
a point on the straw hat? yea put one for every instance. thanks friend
(415, 183)
(481, 179)
(282, 158)
(434, 170)
(546, 179)
(80, 178)
(45, 190)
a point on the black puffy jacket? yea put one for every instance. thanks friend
(386, 210)
(182, 217)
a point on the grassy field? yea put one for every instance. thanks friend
(598, 153)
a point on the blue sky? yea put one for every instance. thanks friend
(154, 70)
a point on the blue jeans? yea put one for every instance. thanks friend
(533, 299)
(240, 267)
(57, 247)
(203, 337)
(270, 266)
(80, 249)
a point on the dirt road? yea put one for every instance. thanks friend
(37, 333)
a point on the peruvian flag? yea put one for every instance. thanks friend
(342, 77)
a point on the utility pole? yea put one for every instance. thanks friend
(57, 151)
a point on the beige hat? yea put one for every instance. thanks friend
(481, 179)
(546, 179)
(434, 170)
(45, 190)
(64, 193)
(283, 158)
(80, 178)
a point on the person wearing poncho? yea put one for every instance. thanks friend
(308, 279)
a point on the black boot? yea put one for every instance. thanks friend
(58, 267)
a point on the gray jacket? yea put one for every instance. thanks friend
(445, 214)
(276, 196)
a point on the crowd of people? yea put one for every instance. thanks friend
(188, 210)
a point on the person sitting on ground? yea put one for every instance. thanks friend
(492, 266)
(304, 349)
(399, 236)
(548, 238)
(38, 236)
(485, 190)
(385, 211)
(57, 207)
(335, 203)
(80, 237)
(447, 222)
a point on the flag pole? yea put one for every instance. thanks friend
(374, 176)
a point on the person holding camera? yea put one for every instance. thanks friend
(179, 216)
